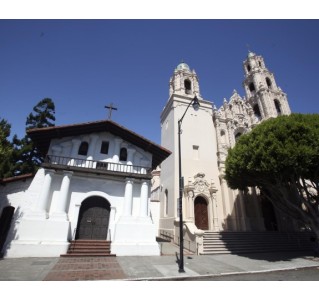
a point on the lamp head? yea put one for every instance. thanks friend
(196, 104)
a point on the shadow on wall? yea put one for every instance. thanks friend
(8, 227)
(256, 230)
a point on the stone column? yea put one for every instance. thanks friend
(213, 191)
(40, 211)
(128, 197)
(144, 199)
(61, 207)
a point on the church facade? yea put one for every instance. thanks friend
(93, 185)
(101, 181)
(207, 134)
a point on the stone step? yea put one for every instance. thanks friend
(89, 248)
(239, 242)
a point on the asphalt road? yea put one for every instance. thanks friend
(303, 274)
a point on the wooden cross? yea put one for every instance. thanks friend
(110, 108)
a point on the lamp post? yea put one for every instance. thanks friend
(196, 105)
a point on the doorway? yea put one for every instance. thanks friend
(93, 219)
(201, 213)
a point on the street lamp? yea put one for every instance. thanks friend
(195, 104)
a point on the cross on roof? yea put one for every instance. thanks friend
(110, 107)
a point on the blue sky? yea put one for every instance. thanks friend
(83, 65)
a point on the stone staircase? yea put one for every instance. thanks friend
(86, 248)
(253, 242)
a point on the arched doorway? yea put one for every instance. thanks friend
(201, 213)
(5, 223)
(93, 219)
(270, 220)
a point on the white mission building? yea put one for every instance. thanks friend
(93, 188)
(105, 185)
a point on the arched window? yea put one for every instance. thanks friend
(251, 87)
(257, 111)
(123, 154)
(223, 136)
(248, 68)
(278, 108)
(188, 86)
(268, 81)
(83, 149)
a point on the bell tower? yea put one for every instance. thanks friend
(262, 93)
(184, 81)
(198, 145)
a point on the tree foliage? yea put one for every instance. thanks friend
(281, 157)
(43, 115)
(27, 156)
(5, 149)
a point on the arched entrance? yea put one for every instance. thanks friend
(5, 223)
(93, 219)
(201, 213)
(270, 220)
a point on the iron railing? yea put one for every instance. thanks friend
(95, 164)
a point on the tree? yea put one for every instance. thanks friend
(43, 115)
(281, 157)
(27, 156)
(5, 149)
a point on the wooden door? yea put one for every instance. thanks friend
(93, 219)
(201, 213)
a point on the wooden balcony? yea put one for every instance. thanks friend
(95, 167)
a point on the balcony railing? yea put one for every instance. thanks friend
(95, 164)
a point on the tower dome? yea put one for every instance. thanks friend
(183, 66)
(250, 54)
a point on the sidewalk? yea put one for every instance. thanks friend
(157, 268)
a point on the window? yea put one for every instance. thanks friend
(248, 68)
(257, 111)
(195, 152)
(188, 86)
(268, 82)
(251, 87)
(123, 154)
(105, 147)
(83, 149)
(278, 108)
(223, 136)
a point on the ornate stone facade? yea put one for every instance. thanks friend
(207, 135)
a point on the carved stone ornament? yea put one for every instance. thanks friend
(200, 184)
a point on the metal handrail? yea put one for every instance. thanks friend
(95, 164)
